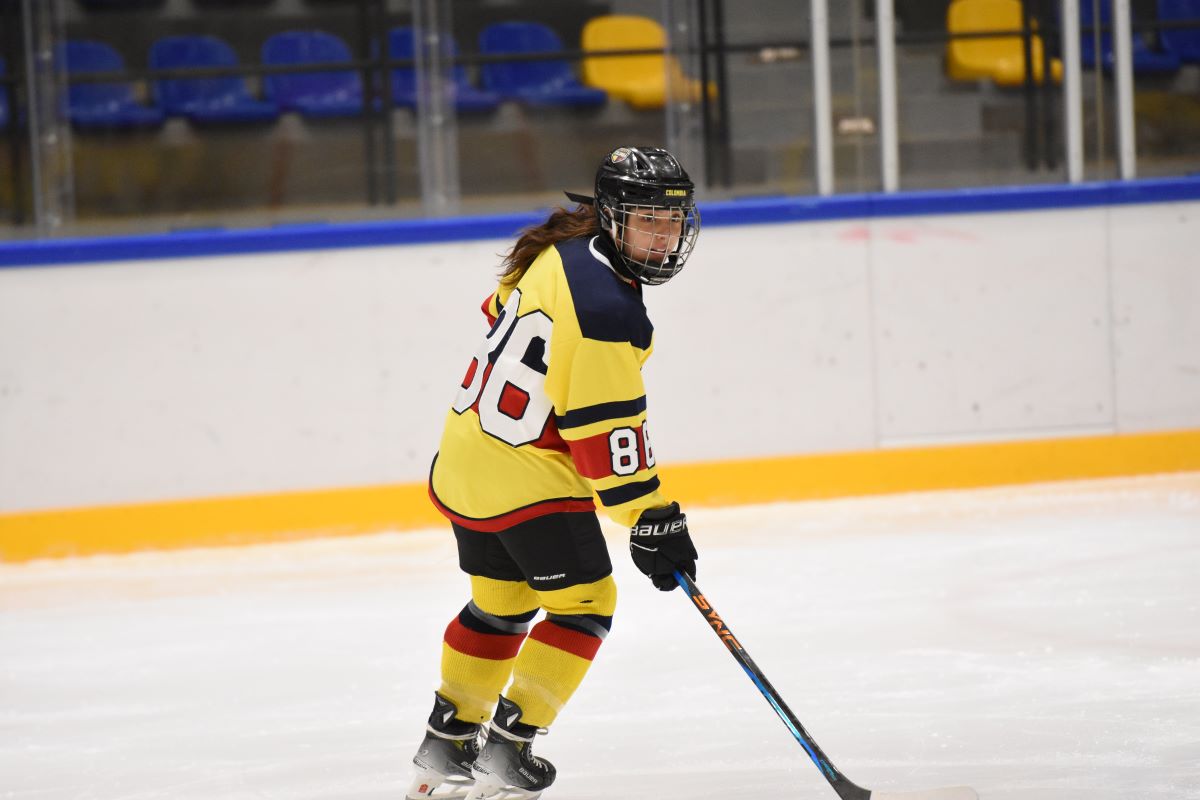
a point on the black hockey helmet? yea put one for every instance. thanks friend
(642, 187)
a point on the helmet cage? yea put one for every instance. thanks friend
(637, 188)
(666, 232)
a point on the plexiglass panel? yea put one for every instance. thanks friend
(141, 115)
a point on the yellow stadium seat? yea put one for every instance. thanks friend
(641, 81)
(1001, 59)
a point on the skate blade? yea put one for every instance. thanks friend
(489, 787)
(503, 793)
(429, 784)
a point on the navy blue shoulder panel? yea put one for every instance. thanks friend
(608, 308)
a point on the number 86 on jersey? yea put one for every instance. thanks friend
(508, 392)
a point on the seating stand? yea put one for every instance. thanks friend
(1183, 43)
(643, 81)
(541, 83)
(205, 100)
(1145, 60)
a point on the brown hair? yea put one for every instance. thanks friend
(561, 226)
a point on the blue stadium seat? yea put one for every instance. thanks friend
(404, 79)
(1182, 42)
(102, 105)
(212, 100)
(1145, 60)
(539, 83)
(3, 100)
(313, 94)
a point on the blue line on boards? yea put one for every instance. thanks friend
(745, 211)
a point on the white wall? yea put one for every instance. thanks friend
(236, 375)
(1156, 315)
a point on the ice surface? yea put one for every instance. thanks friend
(1040, 643)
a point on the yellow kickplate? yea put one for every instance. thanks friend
(282, 517)
(764, 480)
(210, 522)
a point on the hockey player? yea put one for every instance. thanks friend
(552, 410)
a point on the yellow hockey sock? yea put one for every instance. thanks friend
(480, 645)
(554, 659)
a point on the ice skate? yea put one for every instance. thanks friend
(443, 761)
(506, 768)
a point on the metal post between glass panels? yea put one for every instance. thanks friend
(889, 141)
(822, 105)
(1072, 89)
(53, 186)
(382, 45)
(683, 119)
(437, 128)
(1123, 67)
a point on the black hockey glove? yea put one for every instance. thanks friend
(660, 544)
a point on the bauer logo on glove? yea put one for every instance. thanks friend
(660, 544)
(661, 529)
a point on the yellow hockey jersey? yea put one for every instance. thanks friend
(552, 408)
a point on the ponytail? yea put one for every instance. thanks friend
(561, 226)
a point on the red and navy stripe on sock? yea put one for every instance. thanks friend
(477, 633)
(578, 634)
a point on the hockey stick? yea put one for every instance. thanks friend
(846, 789)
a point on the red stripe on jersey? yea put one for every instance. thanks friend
(494, 646)
(507, 520)
(593, 456)
(486, 308)
(574, 642)
(550, 438)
